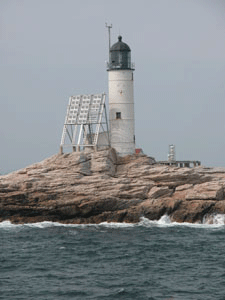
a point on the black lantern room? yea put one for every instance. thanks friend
(119, 56)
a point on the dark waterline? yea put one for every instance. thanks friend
(117, 262)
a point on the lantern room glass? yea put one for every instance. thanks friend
(120, 60)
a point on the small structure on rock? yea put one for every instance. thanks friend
(178, 163)
(172, 153)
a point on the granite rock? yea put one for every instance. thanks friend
(92, 187)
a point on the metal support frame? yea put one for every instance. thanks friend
(86, 119)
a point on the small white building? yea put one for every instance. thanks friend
(121, 99)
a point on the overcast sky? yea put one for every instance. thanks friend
(51, 49)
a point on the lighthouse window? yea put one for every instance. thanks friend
(118, 115)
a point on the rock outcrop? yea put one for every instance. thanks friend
(92, 187)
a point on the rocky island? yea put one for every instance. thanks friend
(93, 187)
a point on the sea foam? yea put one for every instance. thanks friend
(215, 219)
(209, 221)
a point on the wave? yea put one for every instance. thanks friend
(214, 219)
(46, 224)
(165, 221)
(209, 221)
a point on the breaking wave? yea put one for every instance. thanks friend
(215, 219)
(209, 221)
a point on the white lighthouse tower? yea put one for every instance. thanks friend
(121, 99)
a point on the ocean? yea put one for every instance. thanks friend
(148, 260)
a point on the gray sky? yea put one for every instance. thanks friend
(51, 49)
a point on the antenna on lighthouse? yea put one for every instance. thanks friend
(109, 27)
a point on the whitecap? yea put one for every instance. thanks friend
(44, 224)
(116, 225)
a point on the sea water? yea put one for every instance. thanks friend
(148, 260)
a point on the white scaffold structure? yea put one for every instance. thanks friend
(86, 124)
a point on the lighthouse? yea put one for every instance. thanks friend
(121, 99)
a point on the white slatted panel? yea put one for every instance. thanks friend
(84, 109)
(95, 108)
(73, 111)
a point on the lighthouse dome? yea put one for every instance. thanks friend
(120, 46)
(120, 56)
